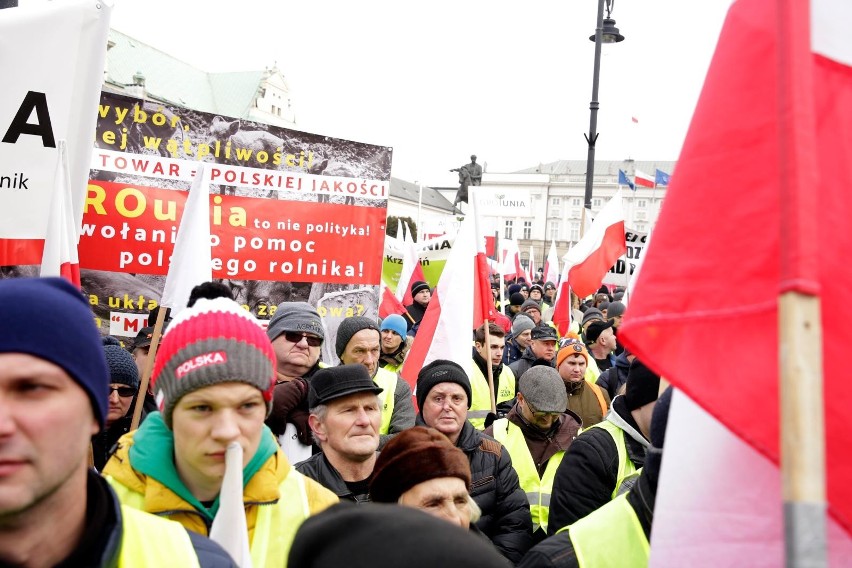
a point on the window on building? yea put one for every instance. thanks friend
(554, 230)
(527, 230)
(507, 232)
(576, 213)
(554, 213)
(555, 201)
(576, 202)
(640, 227)
(273, 109)
(597, 202)
(641, 203)
(575, 231)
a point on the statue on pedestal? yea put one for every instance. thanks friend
(469, 174)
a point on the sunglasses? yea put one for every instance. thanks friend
(538, 413)
(124, 392)
(296, 337)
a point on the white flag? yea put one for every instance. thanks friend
(229, 528)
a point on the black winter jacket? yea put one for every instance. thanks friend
(527, 360)
(588, 473)
(495, 487)
(320, 470)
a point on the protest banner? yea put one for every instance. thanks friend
(433, 255)
(626, 265)
(290, 212)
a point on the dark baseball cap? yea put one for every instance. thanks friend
(595, 329)
(544, 332)
(143, 338)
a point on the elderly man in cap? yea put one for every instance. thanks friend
(54, 384)
(604, 460)
(519, 340)
(297, 334)
(345, 417)
(585, 398)
(541, 350)
(395, 343)
(421, 468)
(537, 431)
(601, 342)
(358, 341)
(444, 396)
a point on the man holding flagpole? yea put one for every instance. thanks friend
(213, 381)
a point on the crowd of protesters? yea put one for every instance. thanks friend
(552, 462)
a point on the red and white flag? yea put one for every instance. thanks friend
(60, 244)
(589, 260)
(562, 306)
(389, 303)
(531, 267)
(191, 262)
(447, 324)
(512, 260)
(411, 271)
(643, 179)
(483, 301)
(776, 107)
(551, 265)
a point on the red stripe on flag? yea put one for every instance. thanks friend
(586, 277)
(71, 272)
(21, 251)
(562, 310)
(644, 182)
(483, 301)
(420, 346)
(390, 305)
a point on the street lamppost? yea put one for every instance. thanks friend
(606, 32)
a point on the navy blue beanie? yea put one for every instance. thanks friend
(49, 319)
(122, 367)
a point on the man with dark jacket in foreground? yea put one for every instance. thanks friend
(444, 396)
(54, 381)
(622, 516)
(604, 460)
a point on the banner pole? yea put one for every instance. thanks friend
(149, 367)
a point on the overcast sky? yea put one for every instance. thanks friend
(439, 80)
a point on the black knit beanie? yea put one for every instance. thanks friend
(122, 368)
(349, 327)
(643, 385)
(418, 286)
(441, 371)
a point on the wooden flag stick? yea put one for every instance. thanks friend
(492, 398)
(149, 367)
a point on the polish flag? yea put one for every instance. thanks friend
(191, 262)
(531, 271)
(776, 107)
(230, 529)
(389, 303)
(512, 260)
(590, 259)
(447, 324)
(60, 244)
(483, 301)
(643, 179)
(411, 270)
(551, 265)
(562, 306)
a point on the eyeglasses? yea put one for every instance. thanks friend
(296, 337)
(125, 392)
(538, 413)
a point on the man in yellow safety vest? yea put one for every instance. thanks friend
(55, 510)
(536, 432)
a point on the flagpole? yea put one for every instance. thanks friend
(149, 367)
(800, 337)
(474, 198)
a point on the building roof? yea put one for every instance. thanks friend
(174, 81)
(407, 191)
(602, 167)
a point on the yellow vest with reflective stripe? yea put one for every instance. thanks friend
(386, 380)
(626, 469)
(610, 537)
(149, 541)
(276, 523)
(481, 397)
(538, 490)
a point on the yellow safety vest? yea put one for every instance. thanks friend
(480, 404)
(386, 380)
(538, 490)
(626, 469)
(276, 524)
(610, 537)
(140, 530)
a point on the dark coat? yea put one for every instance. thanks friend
(612, 379)
(527, 360)
(513, 351)
(320, 470)
(588, 473)
(506, 518)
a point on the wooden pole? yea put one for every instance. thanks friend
(492, 398)
(802, 429)
(149, 367)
